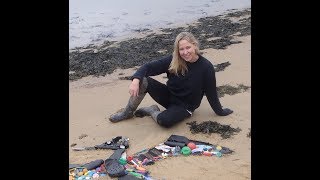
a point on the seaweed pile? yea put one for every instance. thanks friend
(208, 127)
(99, 61)
(221, 66)
(231, 90)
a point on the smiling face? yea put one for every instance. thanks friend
(187, 51)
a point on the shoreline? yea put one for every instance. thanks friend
(215, 32)
(88, 30)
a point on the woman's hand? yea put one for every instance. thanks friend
(134, 87)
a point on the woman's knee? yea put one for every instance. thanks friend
(150, 82)
(149, 79)
(166, 121)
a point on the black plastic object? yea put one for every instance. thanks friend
(113, 167)
(93, 164)
(141, 157)
(174, 144)
(180, 139)
(154, 152)
(116, 143)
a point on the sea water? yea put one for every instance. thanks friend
(96, 21)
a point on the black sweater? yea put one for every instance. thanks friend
(187, 90)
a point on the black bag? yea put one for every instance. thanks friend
(176, 140)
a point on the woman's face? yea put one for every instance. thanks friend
(187, 51)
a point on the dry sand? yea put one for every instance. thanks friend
(92, 100)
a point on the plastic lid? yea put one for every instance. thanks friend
(186, 150)
(122, 161)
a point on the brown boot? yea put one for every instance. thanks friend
(146, 111)
(132, 105)
(152, 111)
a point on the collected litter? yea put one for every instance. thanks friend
(130, 167)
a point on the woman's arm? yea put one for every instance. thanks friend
(212, 94)
(153, 68)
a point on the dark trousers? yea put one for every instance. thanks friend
(173, 113)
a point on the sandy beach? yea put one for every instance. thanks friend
(93, 99)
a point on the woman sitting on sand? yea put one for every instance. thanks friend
(190, 76)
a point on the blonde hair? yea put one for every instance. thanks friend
(178, 65)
